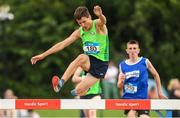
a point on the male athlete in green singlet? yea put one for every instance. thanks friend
(94, 61)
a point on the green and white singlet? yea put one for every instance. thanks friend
(95, 44)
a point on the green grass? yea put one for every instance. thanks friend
(76, 113)
(58, 113)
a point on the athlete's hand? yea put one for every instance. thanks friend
(121, 79)
(37, 58)
(97, 11)
(120, 84)
(161, 96)
(122, 76)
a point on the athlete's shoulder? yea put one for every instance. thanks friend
(122, 62)
(145, 61)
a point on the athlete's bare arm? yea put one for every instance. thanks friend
(157, 78)
(121, 79)
(101, 21)
(57, 47)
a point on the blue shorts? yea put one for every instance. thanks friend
(98, 68)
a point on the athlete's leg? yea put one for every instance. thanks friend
(86, 113)
(96, 71)
(78, 77)
(131, 114)
(81, 61)
(144, 116)
(91, 113)
(85, 84)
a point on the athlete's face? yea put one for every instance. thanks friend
(85, 22)
(132, 50)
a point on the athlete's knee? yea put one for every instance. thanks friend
(83, 61)
(79, 60)
(82, 58)
(80, 91)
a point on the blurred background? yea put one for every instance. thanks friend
(29, 27)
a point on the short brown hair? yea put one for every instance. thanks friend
(80, 12)
(133, 42)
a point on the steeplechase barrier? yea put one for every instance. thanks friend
(106, 104)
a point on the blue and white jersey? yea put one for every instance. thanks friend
(136, 79)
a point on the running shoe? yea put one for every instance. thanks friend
(55, 83)
(73, 92)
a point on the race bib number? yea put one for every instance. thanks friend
(91, 48)
(130, 88)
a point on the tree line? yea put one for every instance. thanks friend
(38, 24)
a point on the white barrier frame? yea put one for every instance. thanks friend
(155, 104)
